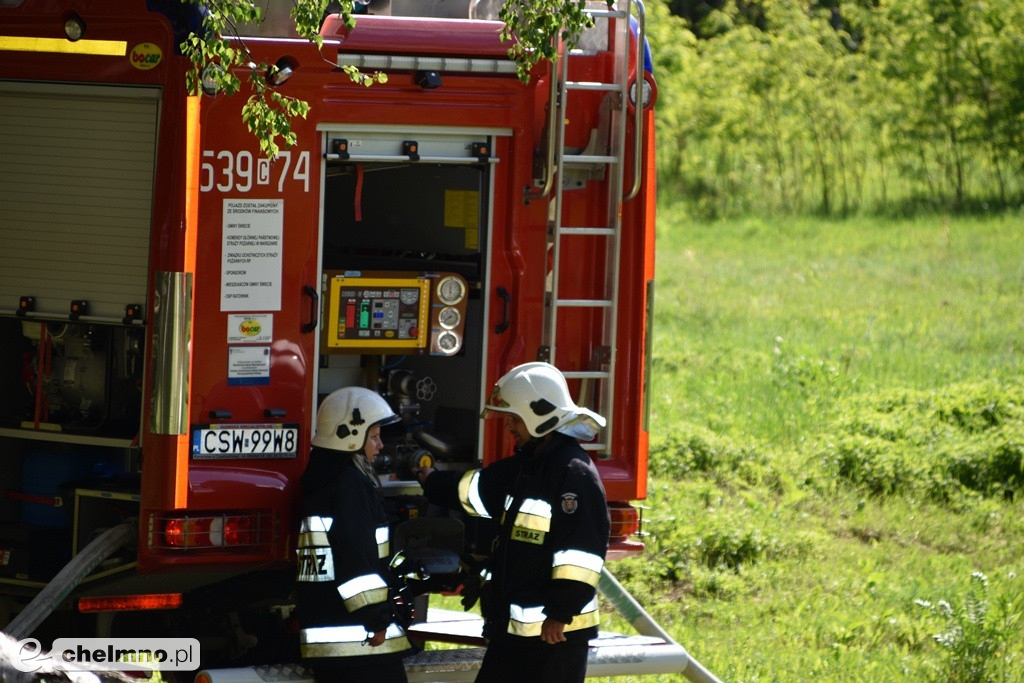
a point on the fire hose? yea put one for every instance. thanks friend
(631, 610)
(68, 578)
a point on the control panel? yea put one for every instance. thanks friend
(393, 313)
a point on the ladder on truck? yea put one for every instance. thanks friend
(605, 154)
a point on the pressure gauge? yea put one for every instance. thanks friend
(448, 342)
(409, 296)
(449, 318)
(451, 290)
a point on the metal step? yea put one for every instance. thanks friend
(611, 654)
(592, 86)
(606, 13)
(587, 231)
(589, 159)
(584, 303)
(585, 374)
(651, 651)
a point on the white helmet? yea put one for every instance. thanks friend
(345, 417)
(537, 393)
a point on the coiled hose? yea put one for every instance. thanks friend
(70, 575)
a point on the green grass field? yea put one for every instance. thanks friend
(837, 428)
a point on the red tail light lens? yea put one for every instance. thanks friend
(238, 531)
(625, 520)
(124, 603)
(174, 531)
(188, 532)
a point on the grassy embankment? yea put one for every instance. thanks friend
(837, 434)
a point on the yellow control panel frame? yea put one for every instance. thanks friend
(334, 339)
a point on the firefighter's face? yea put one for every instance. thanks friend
(517, 428)
(373, 443)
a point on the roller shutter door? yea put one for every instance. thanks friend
(76, 189)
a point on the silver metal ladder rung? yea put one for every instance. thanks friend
(606, 13)
(584, 303)
(592, 85)
(585, 374)
(586, 231)
(600, 447)
(589, 159)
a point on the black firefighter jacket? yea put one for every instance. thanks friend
(553, 515)
(343, 550)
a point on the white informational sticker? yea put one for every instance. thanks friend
(252, 328)
(250, 277)
(248, 365)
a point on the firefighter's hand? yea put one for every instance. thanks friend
(421, 473)
(376, 639)
(552, 631)
(470, 593)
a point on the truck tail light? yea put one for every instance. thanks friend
(250, 530)
(625, 520)
(125, 603)
(238, 531)
(188, 533)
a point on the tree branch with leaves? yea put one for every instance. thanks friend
(535, 30)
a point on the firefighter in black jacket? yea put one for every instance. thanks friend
(348, 628)
(540, 606)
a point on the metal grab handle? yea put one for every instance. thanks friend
(505, 320)
(314, 308)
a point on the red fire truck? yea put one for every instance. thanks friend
(173, 304)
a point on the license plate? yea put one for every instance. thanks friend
(245, 441)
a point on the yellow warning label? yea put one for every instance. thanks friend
(462, 210)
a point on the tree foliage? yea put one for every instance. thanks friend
(536, 30)
(840, 105)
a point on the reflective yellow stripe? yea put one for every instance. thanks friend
(109, 48)
(383, 542)
(577, 565)
(534, 514)
(371, 597)
(348, 641)
(528, 621)
(469, 495)
(536, 506)
(527, 521)
(313, 539)
(316, 523)
(368, 589)
(573, 573)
